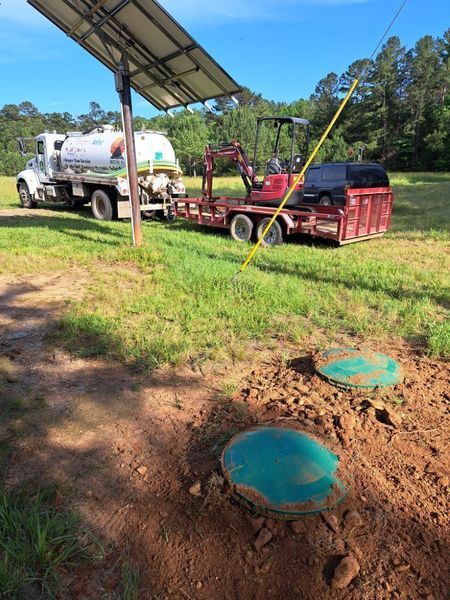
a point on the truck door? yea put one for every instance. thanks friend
(41, 160)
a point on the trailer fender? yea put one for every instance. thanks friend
(286, 221)
(30, 178)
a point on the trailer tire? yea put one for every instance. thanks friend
(241, 228)
(26, 199)
(274, 236)
(102, 206)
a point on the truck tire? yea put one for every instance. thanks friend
(274, 236)
(26, 199)
(241, 228)
(102, 206)
(326, 200)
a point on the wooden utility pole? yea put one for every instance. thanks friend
(124, 90)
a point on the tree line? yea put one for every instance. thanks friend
(400, 114)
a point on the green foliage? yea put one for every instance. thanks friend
(130, 581)
(400, 112)
(189, 136)
(36, 544)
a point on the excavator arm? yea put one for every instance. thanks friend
(233, 151)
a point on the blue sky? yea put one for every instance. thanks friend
(280, 48)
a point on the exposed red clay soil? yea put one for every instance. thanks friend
(138, 456)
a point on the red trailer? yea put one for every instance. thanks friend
(366, 214)
(363, 213)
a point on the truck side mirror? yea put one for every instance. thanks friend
(21, 144)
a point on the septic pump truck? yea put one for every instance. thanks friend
(365, 214)
(77, 168)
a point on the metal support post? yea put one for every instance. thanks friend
(124, 90)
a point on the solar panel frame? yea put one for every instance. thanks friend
(168, 68)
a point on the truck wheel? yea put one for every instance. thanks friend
(102, 206)
(326, 200)
(26, 199)
(273, 237)
(241, 228)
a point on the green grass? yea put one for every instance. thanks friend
(37, 543)
(130, 581)
(174, 299)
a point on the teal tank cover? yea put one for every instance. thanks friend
(282, 472)
(350, 367)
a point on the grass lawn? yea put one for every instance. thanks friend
(173, 299)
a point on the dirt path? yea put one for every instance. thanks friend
(124, 448)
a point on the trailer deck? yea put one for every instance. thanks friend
(365, 215)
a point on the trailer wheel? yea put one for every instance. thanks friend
(26, 199)
(274, 236)
(102, 206)
(241, 228)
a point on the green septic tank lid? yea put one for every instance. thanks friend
(350, 367)
(282, 473)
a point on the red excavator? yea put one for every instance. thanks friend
(291, 137)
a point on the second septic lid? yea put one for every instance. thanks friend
(282, 472)
(350, 367)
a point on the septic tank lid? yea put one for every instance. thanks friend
(351, 367)
(282, 473)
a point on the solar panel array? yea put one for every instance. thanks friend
(167, 66)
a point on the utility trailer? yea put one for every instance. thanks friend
(365, 215)
(362, 213)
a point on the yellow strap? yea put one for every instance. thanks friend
(300, 175)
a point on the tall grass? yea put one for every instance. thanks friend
(174, 298)
(37, 543)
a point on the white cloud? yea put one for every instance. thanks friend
(218, 11)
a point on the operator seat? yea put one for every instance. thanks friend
(274, 166)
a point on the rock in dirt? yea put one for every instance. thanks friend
(345, 572)
(390, 417)
(331, 520)
(402, 568)
(353, 519)
(263, 538)
(196, 489)
(303, 389)
(375, 403)
(111, 582)
(347, 422)
(298, 527)
(142, 470)
(265, 568)
(256, 524)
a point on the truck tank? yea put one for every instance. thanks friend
(102, 151)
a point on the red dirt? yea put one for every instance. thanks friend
(89, 425)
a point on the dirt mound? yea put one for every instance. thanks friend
(392, 443)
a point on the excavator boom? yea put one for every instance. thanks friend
(234, 152)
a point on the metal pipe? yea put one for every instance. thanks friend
(124, 90)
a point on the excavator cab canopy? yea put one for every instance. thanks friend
(288, 138)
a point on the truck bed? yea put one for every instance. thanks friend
(84, 178)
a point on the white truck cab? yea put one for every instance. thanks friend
(32, 181)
